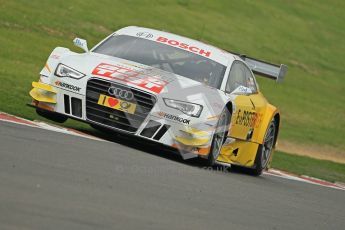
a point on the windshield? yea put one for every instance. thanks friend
(164, 57)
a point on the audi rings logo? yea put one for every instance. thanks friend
(121, 93)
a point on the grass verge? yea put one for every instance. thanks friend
(301, 165)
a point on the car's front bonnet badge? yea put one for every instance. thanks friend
(121, 93)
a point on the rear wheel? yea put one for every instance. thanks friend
(265, 150)
(219, 136)
(52, 116)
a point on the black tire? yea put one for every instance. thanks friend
(264, 152)
(219, 137)
(52, 116)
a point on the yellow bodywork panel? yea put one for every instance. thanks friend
(248, 126)
(43, 93)
(196, 132)
(42, 86)
(269, 114)
(252, 115)
(192, 141)
(241, 123)
(194, 137)
(245, 154)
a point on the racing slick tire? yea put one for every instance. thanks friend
(264, 152)
(59, 118)
(219, 137)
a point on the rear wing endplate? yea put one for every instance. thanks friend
(265, 69)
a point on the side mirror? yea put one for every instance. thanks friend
(81, 43)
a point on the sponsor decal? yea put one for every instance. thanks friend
(116, 103)
(47, 67)
(54, 56)
(144, 35)
(243, 89)
(174, 118)
(67, 86)
(185, 46)
(121, 93)
(248, 119)
(131, 77)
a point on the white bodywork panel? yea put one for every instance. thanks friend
(156, 82)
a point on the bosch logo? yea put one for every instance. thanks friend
(121, 93)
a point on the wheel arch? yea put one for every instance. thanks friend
(277, 122)
(271, 113)
(229, 106)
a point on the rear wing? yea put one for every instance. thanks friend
(265, 69)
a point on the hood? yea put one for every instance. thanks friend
(147, 78)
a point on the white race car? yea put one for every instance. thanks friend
(166, 88)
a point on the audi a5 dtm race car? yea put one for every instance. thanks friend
(169, 89)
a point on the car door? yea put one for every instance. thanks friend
(245, 118)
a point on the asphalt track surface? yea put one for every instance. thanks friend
(50, 180)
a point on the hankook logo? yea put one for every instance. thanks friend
(121, 93)
(68, 86)
(174, 118)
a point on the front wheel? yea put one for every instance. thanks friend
(219, 137)
(264, 152)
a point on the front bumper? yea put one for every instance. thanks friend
(154, 127)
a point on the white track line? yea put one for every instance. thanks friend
(43, 125)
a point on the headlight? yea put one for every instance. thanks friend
(65, 71)
(190, 109)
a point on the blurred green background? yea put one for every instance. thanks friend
(307, 35)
